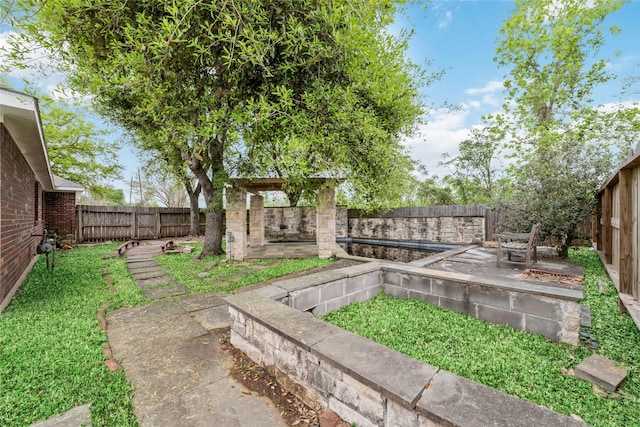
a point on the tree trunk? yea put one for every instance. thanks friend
(194, 211)
(212, 192)
(294, 197)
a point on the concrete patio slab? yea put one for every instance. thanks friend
(213, 318)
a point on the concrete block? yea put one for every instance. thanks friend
(449, 289)
(538, 306)
(392, 277)
(337, 303)
(354, 284)
(453, 400)
(350, 415)
(602, 372)
(398, 416)
(417, 283)
(503, 317)
(303, 329)
(332, 290)
(305, 299)
(389, 372)
(361, 296)
(396, 291)
(320, 310)
(498, 298)
(457, 305)
(429, 298)
(551, 329)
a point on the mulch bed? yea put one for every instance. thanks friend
(550, 276)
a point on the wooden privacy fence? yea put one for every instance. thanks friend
(101, 223)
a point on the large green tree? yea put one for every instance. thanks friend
(205, 76)
(78, 150)
(563, 142)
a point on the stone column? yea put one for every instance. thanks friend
(326, 222)
(256, 221)
(236, 217)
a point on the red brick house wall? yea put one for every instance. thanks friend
(60, 212)
(21, 213)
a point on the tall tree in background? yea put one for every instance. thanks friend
(204, 75)
(474, 171)
(551, 49)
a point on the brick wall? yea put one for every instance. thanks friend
(18, 219)
(60, 213)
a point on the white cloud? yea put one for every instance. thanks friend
(490, 88)
(442, 134)
(445, 20)
(39, 68)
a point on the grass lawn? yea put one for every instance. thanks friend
(51, 347)
(217, 274)
(522, 364)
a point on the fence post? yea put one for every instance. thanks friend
(134, 223)
(158, 224)
(79, 224)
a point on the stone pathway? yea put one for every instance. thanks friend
(154, 281)
(179, 371)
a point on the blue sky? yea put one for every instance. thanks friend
(460, 38)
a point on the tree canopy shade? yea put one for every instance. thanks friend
(563, 143)
(289, 88)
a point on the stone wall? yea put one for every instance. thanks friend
(364, 382)
(292, 223)
(435, 229)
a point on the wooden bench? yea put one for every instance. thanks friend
(522, 243)
(123, 247)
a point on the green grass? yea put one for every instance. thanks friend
(51, 346)
(228, 276)
(522, 364)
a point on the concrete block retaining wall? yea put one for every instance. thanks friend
(547, 310)
(372, 385)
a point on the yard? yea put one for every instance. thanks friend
(51, 347)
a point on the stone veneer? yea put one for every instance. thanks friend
(370, 384)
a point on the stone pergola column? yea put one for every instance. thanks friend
(326, 222)
(236, 217)
(256, 221)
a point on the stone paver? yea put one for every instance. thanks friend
(601, 371)
(165, 291)
(78, 416)
(156, 281)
